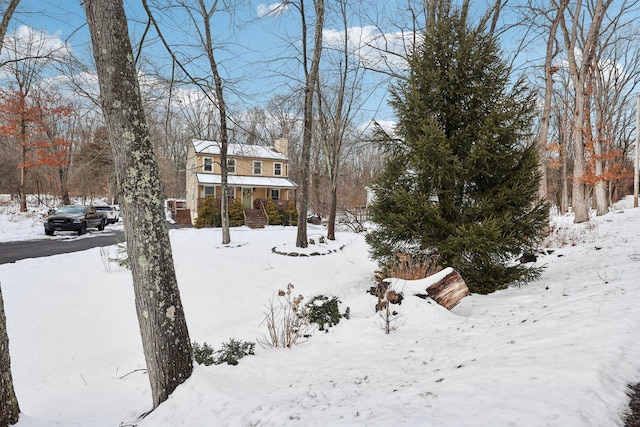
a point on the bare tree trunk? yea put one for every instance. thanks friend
(23, 167)
(23, 174)
(163, 327)
(564, 198)
(579, 196)
(333, 210)
(580, 72)
(222, 110)
(311, 78)
(342, 117)
(205, 37)
(613, 90)
(548, 92)
(602, 201)
(6, 18)
(63, 173)
(9, 408)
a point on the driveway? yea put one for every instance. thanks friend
(62, 242)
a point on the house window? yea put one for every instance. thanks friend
(209, 191)
(277, 169)
(257, 168)
(207, 165)
(275, 194)
(231, 165)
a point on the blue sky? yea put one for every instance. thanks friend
(258, 43)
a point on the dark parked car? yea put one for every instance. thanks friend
(74, 218)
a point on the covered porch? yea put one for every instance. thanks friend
(248, 189)
(252, 191)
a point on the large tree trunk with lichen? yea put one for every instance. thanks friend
(9, 409)
(163, 327)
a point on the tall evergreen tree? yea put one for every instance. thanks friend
(462, 173)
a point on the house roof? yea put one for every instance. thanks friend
(237, 150)
(247, 181)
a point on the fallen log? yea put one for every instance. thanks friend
(449, 289)
(446, 287)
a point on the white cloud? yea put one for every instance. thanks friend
(272, 9)
(28, 42)
(373, 48)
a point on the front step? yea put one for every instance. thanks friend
(254, 218)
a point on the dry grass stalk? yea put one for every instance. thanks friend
(411, 267)
(286, 319)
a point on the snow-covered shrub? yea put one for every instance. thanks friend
(325, 311)
(233, 351)
(230, 353)
(203, 354)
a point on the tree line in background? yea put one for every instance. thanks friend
(53, 136)
(589, 80)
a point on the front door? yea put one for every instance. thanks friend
(247, 198)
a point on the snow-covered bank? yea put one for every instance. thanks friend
(558, 352)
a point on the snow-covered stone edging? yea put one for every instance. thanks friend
(324, 251)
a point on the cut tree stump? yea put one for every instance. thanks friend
(449, 289)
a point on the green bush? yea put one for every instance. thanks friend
(208, 214)
(325, 311)
(233, 351)
(290, 214)
(236, 213)
(203, 354)
(275, 216)
(230, 353)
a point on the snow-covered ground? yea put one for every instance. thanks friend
(557, 352)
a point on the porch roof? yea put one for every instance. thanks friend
(247, 181)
